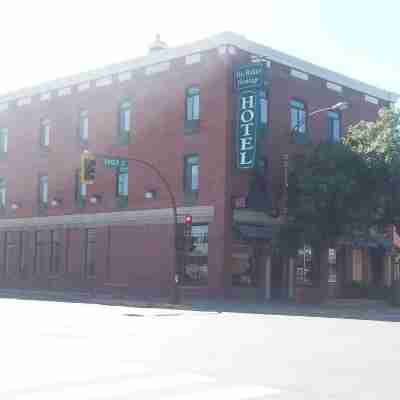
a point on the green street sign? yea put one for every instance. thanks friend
(115, 163)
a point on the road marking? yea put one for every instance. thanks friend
(35, 379)
(242, 392)
(126, 386)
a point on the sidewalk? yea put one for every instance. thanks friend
(353, 309)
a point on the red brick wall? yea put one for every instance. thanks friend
(315, 94)
(142, 256)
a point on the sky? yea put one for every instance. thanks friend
(42, 40)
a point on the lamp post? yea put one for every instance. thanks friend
(175, 291)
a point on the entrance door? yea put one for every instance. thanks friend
(277, 277)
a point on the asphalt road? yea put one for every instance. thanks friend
(57, 351)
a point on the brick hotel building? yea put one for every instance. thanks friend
(176, 108)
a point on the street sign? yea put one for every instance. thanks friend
(115, 163)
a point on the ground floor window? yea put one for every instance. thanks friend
(243, 270)
(90, 252)
(195, 260)
(332, 274)
(304, 265)
(12, 252)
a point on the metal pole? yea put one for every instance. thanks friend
(175, 281)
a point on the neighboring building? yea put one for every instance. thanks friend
(176, 108)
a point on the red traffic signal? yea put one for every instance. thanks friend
(188, 220)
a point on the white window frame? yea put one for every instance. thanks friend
(84, 125)
(45, 129)
(3, 140)
(44, 189)
(3, 193)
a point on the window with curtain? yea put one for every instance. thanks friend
(298, 117)
(122, 182)
(192, 171)
(192, 104)
(334, 126)
(125, 128)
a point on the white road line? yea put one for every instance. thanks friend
(74, 375)
(242, 392)
(111, 390)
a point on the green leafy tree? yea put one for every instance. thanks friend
(344, 189)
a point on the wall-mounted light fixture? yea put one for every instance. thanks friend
(150, 194)
(15, 206)
(55, 202)
(95, 199)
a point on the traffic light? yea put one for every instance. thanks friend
(88, 168)
(187, 232)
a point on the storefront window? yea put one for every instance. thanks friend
(243, 270)
(332, 266)
(304, 265)
(195, 261)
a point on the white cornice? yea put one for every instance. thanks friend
(200, 214)
(222, 39)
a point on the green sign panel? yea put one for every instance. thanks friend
(116, 163)
(249, 76)
(247, 127)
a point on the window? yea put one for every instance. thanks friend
(195, 264)
(45, 132)
(244, 270)
(193, 104)
(3, 193)
(192, 170)
(334, 126)
(3, 140)
(124, 121)
(304, 265)
(90, 252)
(122, 182)
(83, 126)
(263, 108)
(298, 117)
(44, 190)
(80, 190)
(55, 253)
(12, 252)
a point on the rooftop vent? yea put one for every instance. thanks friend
(157, 45)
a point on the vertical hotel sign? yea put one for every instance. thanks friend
(248, 80)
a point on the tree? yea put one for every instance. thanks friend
(379, 145)
(344, 189)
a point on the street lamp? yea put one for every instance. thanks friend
(341, 106)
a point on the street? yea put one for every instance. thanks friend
(57, 351)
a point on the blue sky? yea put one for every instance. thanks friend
(43, 40)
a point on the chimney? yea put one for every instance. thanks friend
(157, 45)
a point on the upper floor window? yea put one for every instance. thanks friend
(193, 104)
(83, 125)
(298, 116)
(3, 193)
(122, 182)
(45, 132)
(3, 140)
(192, 171)
(44, 190)
(80, 190)
(263, 108)
(125, 122)
(334, 126)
